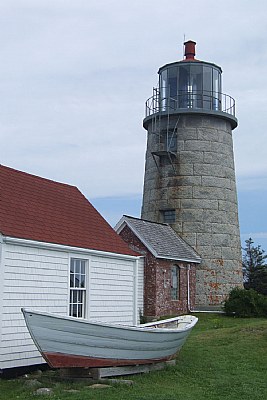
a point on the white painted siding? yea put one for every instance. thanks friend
(38, 278)
(140, 288)
(33, 278)
(111, 290)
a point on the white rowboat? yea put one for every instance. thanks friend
(67, 342)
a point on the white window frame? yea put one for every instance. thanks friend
(78, 277)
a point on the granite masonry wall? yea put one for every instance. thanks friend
(198, 182)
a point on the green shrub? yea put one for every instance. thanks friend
(246, 303)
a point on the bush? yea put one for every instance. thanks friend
(246, 303)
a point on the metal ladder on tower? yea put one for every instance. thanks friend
(163, 142)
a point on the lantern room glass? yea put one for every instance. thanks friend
(195, 85)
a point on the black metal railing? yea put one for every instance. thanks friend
(205, 100)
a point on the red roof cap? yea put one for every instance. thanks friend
(190, 50)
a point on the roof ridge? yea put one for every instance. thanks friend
(162, 240)
(39, 178)
(146, 220)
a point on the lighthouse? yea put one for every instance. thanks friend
(189, 179)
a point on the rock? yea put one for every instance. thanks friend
(44, 391)
(38, 372)
(127, 382)
(32, 383)
(99, 386)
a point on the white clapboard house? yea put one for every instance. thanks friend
(58, 254)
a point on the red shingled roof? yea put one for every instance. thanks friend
(43, 210)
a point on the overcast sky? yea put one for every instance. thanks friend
(74, 76)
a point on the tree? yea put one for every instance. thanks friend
(245, 303)
(255, 267)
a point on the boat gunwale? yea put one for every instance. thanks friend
(151, 327)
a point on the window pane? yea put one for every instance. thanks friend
(71, 310)
(174, 278)
(196, 85)
(168, 140)
(72, 266)
(171, 140)
(83, 267)
(71, 280)
(183, 78)
(82, 282)
(184, 87)
(77, 281)
(74, 310)
(216, 91)
(172, 87)
(77, 266)
(175, 282)
(163, 90)
(79, 312)
(207, 87)
(207, 75)
(168, 216)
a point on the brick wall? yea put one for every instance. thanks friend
(157, 281)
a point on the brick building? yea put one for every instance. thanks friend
(169, 267)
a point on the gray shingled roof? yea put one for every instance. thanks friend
(161, 240)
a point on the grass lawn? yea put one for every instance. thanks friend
(224, 358)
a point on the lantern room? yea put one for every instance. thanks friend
(190, 83)
(191, 86)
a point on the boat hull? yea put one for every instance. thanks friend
(59, 360)
(67, 342)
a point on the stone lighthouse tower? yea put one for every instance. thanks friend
(189, 174)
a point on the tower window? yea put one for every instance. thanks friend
(175, 283)
(168, 216)
(169, 141)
